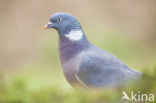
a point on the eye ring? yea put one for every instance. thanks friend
(59, 19)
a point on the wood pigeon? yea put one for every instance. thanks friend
(84, 63)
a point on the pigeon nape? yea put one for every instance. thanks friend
(84, 63)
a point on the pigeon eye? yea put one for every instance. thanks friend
(59, 19)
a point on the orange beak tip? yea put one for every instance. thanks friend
(45, 27)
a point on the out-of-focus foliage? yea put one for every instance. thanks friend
(30, 70)
(17, 91)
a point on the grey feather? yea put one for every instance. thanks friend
(99, 68)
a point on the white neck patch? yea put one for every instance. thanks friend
(75, 35)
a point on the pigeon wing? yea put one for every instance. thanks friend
(97, 70)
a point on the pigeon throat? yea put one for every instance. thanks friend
(75, 35)
(70, 46)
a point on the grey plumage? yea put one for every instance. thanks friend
(99, 68)
(83, 63)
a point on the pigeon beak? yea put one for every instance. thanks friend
(47, 25)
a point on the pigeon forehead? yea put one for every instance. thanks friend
(62, 15)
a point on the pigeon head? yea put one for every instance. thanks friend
(64, 23)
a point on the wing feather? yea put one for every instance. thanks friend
(103, 70)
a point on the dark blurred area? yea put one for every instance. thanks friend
(125, 28)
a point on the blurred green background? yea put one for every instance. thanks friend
(30, 70)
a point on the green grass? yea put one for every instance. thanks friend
(32, 90)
